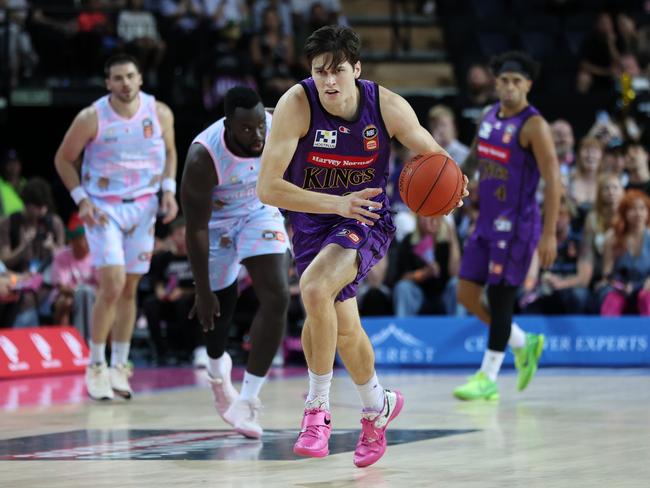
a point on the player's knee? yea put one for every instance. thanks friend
(275, 299)
(313, 294)
(111, 291)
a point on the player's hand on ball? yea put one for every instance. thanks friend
(465, 191)
(88, 212)
(547, 250)
(168, 207)
(206, 310)
(357, 205)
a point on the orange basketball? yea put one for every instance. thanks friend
(431, 184)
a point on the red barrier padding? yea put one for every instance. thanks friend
(41, 350)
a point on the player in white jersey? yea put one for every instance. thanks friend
(227, 226)
(127, 138)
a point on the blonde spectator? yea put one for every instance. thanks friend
(442, 125)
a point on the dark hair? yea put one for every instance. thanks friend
(341, 42)
(37, 192)
(119, 58)
(517, 61)
(240, 97)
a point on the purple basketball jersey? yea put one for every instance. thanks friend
(509, 224)
(337, 157)
(508, 178)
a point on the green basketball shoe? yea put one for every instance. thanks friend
(526, 359)
(478, 387)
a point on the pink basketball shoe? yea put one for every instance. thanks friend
(372, 441)
(315, 431)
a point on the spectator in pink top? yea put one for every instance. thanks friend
(73, 277)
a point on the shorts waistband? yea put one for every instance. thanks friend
(116, 199)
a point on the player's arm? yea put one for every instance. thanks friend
(67, 159)
(199, 179)
(168, 204)
(290, 123)
(68, 162)
(402, 123)
(536, 134)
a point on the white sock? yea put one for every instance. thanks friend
(119, 353)
(517, 337)
(251, 386)
(220, 368)
(319, 390)
(372, 394)
(491, 365)
(97, 353)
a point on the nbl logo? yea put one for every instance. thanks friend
(325, 138)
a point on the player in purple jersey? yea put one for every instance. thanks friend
(217, 243)
(512, 147)
(326, 162)
(127, 138)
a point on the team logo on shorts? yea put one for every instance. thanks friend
(144, 256)
(350, 235)
(147, 128)
(370, 138)
(218, 204)
(325, 138)
(495, 268)
(272, 235)
(225, 241)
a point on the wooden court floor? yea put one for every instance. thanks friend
(571, 428)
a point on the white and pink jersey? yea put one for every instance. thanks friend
(234, 197)
(127, 157)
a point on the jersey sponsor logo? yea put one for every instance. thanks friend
(225, 241)
(144, 256)
(326, 178)
(354, 237)
(343, 129)
(339, 161)
(325, 138)
(495, 153)
(147, 128)
(495, 268)
(273, 235)
(370, 131)
(509, 133)
(370, 141)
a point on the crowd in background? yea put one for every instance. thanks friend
(603, 233)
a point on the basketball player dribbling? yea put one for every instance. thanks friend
(227, 227)
(512, 147)
(326, 162)
(127, 139)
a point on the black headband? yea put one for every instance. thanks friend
(512, 66)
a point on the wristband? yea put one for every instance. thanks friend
(78, 194)
(169, 184)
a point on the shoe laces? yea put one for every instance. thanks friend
(311, 430)
(370, 433)
(254, 409)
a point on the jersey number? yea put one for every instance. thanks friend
(500, 193)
